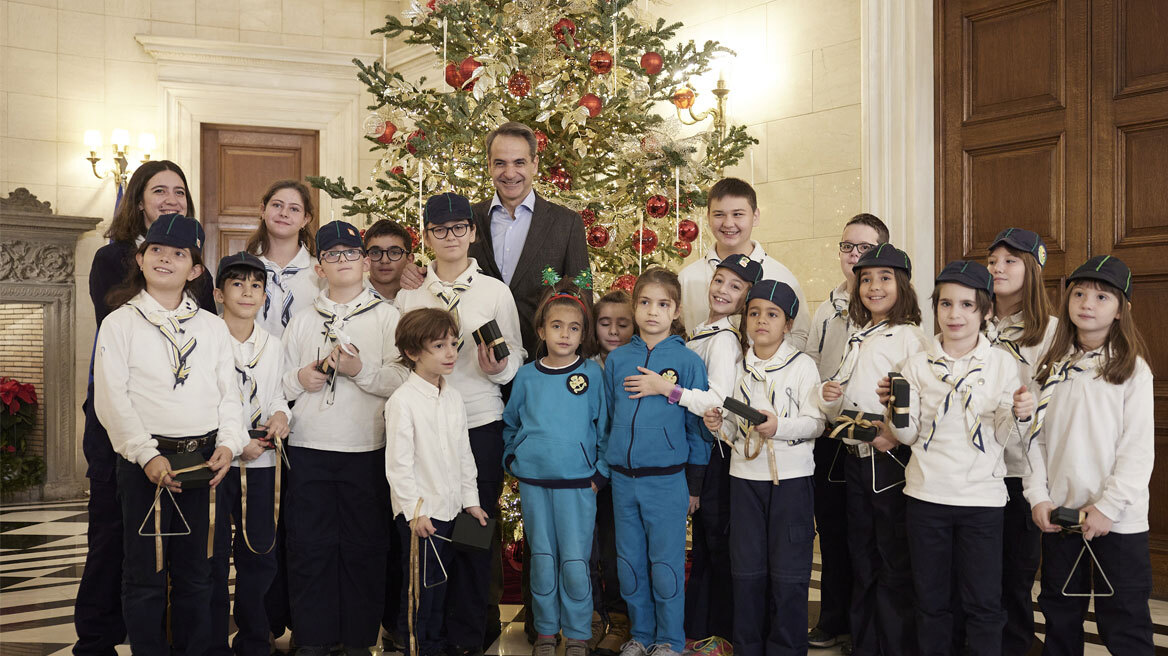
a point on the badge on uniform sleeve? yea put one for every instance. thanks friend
(670, 375)
(577, 384)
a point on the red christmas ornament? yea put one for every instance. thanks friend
(683, 247)
(560, 177)
(600, 62)
(564, 29)
(644, 240)
(683, 98)
(592, 102)
(687, 230)
(587, 216)
(468, 66)
(657, 206)
(626, 282)
(387, 134)
(414, 241)
(519, 85)
(598, 236)
(397, 170)
(411, 141)
(541, 141)
(652, 63)
(454, 76)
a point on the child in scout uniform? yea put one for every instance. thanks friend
(1023, 327)
(709, 602)
(657, 456)
(1093, 455)
(883, 306)
(556, 430)
(830, 330)
(732, 215)
(164, 385)
(772, 527)
(431, 472)
(248, 494)
(340, 367)
(964, 403)
(454, 283)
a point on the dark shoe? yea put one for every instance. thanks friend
(576, 648)
(544, 647)
(616, 636)
(491, 636)
(356, 651)
(455, 650)
(307, 650)
(820, 639)
(597, 631)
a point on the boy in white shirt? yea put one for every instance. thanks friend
(340, 367)
(454, 283)
(830, 330)
(253, 482)
(429, 466)
(733, 214)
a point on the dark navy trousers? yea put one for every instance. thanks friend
(959, 544)
(184, 559)
(338, 532)
(433, 555)
(468, 598)
(882, 592)
(1021, 546)
(772, 534)
(254, 572)
(606, 597)
(709, 597)
(831, 522)
(1124, 620)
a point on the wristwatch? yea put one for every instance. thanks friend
(675, 395)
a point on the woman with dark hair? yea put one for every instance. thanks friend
(157, 187)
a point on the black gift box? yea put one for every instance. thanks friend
(748, 413)
(854, 431)
(469, 535)
(191, 480)
(489, 334)
(898, 404)
(1066, 517)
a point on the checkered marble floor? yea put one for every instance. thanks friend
(42, 553)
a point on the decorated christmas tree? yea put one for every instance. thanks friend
(593, 78)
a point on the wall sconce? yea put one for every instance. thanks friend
(685, 96)
(120, 143)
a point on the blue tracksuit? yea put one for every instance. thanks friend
(556, 428)
(658, 458)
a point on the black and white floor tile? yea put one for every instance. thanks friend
(42, 552)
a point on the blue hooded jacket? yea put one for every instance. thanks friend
(651, 436)
(556, 426)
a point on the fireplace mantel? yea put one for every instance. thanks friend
(37, 257)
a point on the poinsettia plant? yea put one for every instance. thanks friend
(19, 469)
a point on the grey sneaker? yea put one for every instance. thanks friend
(633, 648)
(576, 648)
(544, 647)
(663, 650)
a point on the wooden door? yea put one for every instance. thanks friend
(1053, 115)
(238, 165)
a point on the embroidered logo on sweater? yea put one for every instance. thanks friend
(670, 375)
(577, 384)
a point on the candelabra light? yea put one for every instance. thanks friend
(120, 145)
(685, 97)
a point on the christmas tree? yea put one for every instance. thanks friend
(593, 78)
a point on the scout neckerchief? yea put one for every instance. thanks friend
(1060, 371)
(170, 324)
(710, 331)
(852, 354)
(745, 430)
(960, 390)
(279, 277)
(839, 306)
(249, 392)
(334, 321)
(449, 294)
(1007, 336)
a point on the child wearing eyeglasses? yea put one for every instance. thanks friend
(389, 247)
(454, 283)
(340, 357)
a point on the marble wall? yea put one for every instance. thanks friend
(795, 82)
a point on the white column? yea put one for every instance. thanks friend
(897, 137)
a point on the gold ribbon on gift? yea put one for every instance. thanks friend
(846, 424)
(275, 503)
(414, 593)
(156, 509)
(496, 342)
(892, 408)
(761, 441)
